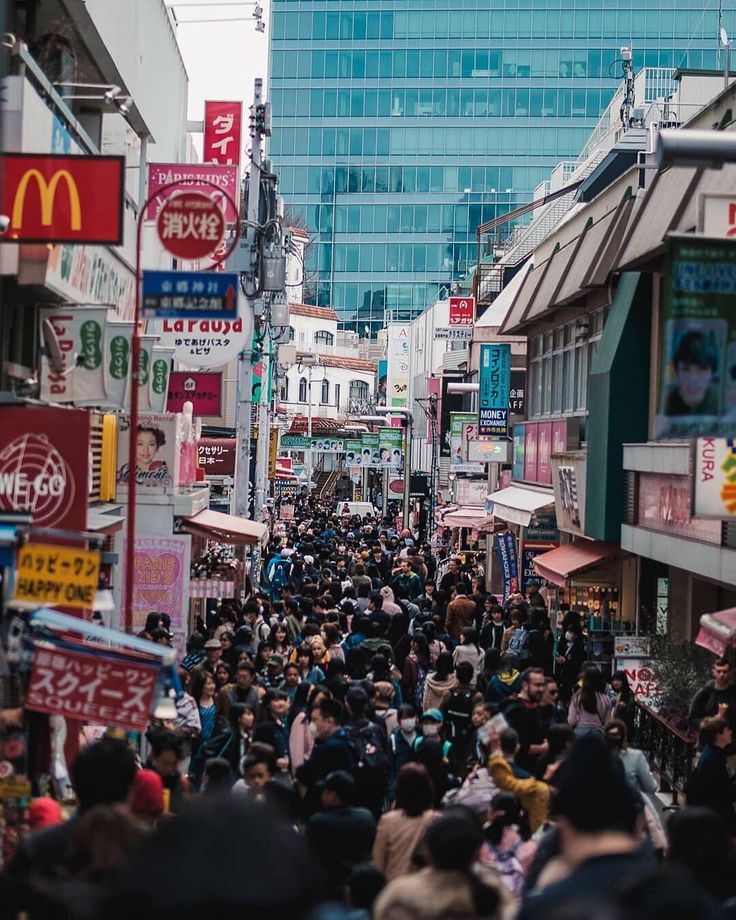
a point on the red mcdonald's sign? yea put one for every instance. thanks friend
(63, 199)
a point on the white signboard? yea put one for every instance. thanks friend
(717, 214)
(715, 478)
(454, 333)
(397, 384)
(79, 333)
(483, 451)
(200, 343)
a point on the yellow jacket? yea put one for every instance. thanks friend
(533, 794)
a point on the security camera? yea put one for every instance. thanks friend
(4, 224)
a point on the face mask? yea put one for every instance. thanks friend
(431, 730)
(569, 636)
(313, 729)
(408, 725)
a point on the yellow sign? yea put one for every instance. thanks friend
(47, 194)
(56, 575)
(273, 449)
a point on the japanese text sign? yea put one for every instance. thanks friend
(506, 551)
(92, 688)
(462, 311)
(63, 199)
(202, 389)
(715, 478)
(56, 575)
(190, 225)
(204, 342)
(454, 333)
(44, 464)
(493, 396)
(193, 177)
(217, 456)
(222, 122)
(180, 295)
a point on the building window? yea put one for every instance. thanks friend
(337, 395)
(302, 389)
(292, 334)
(323, 338)
(285, 390)
(359, 390)
(324, 397)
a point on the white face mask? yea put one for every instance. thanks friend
(313, 729)
(569, 636)
(408, 725)
(431, 729)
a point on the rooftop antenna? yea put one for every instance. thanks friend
(726, 43)
(629, 98)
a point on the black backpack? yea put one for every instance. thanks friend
(458, 711)
(370, 765)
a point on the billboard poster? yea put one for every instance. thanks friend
(328, 445)
(80, 333)
(506, 551)
(161, 581)
(382, 382)
(44, 465)
(156, 451)
(458, 447)
(222, 122)
(715, 478)
(517, 470)
(493, 396)
(118, 343)
(531, 441)
(391, 448)
(202, 389)
(370, 456)
(544, 452)
(353, 450)
(217, 456)
(193, 177)
(528, 573)
(697, 392)
(397, 383)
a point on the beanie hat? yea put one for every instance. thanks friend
(43, 812)
(147, 793)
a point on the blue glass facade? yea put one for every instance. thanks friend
(400, 125)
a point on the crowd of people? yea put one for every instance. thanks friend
(372, 735)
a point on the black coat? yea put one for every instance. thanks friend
(340, 839)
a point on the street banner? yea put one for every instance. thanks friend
(48, 575)
(506, 551)
(161, 581)
(222, 124)
(353, 450)
(63, 199)
(328, 445)
(157, 454)
(158, 389)
(715, 478)
(697, 392)
(217, 456)
(457, 463)
(193, 177)
(116, 367)
(517, 470)
(203, 389)
(44, 464)
(92, 687)
(189, 295)
(462, 311)
(80, 335)
(201, 343)
(295, 442)
(370, 456)
(391, 448)
(286, 491)
(493, 396)
(529, 574)
(148, 343)
(397, 386)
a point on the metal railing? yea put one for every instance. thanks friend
(671, 754)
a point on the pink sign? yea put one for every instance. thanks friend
(161, 581)
(544, 450)
(222, 132)
(530, 452)
(664, 505)
(202, 389)
(559, 437)
(193, 177)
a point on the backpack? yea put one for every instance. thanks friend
(518, 647)
(280, 575)
(358, 661)
(458, 710)
(370, 765)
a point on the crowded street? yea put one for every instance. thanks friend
(367, 460)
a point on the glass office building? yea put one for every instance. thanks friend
(401, 125)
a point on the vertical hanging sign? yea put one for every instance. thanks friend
(493, 396)
(222, 123)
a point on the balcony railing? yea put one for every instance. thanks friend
(671, 754)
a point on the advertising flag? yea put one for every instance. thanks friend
(493, 396)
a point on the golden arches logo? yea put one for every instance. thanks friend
(47, 193)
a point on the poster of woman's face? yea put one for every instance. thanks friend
(156, 446)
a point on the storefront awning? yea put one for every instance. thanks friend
(468, 516)
(518, 505)
(717, 631)
(105, 518)
(566, 561)
(227, 528)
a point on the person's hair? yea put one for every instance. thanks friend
(509, 739)
(422, 648)
(199, 680)
(470, 635)
(461, 588)
(528, 673)
(464, 672)
(700, 841)
(331, 709)
(507, 813)
(239, 709)
(247, 666)
(453, 841)
(376, 598)
(696, 348)
(257, 753)
(626, 692)
(380, 668)
(217, 771)
(101, 841)
(616, 735)
(443, 668)
(103, 773)
(414, 789)
(160, 742)
(305, 651)
(332, 634)
(356, 701)
(721, 663)
(517, 616)
(407, 711)
(152, 621)
(364, 884)
(709, 729)
(158, 435)
(592, 684)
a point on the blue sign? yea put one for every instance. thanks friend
(506, 552)
(189, 295)
(493, 396)
(529, 574)
(517, 470)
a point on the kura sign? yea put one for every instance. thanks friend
(44, 465)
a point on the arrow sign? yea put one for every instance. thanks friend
(190, 295)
